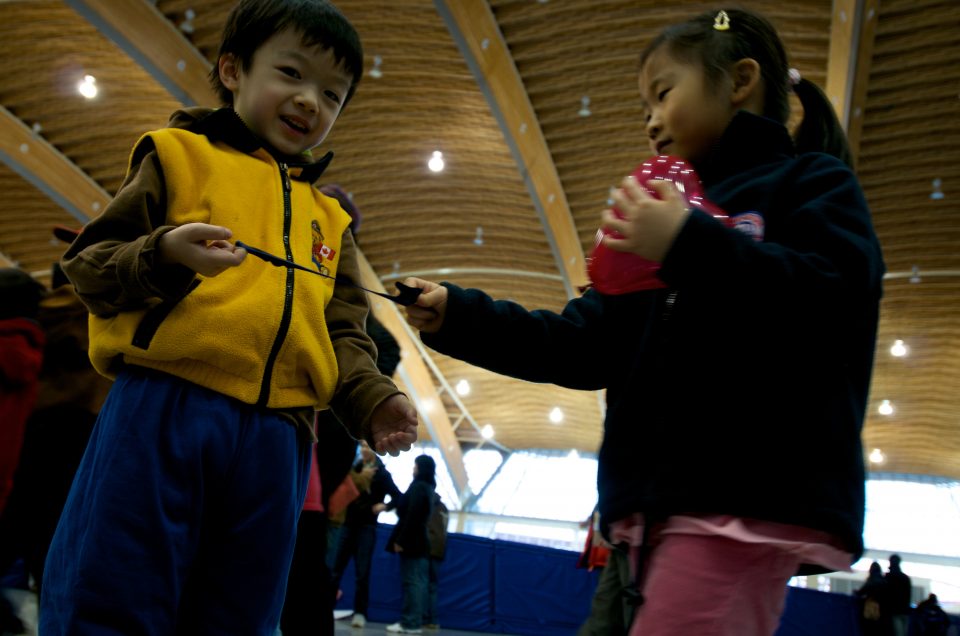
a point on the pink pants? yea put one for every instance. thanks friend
(712, 586)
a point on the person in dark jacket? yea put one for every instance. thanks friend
(930, 619)
(899, 585)
(753, 357)
(409, 539)
(358, 534)
(875, 604)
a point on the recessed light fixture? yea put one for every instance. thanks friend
(375, 72)
(937, 193)
(436, 161)
(88, 86)
(584, 106)
(877, 456)
(885, 408)
(898, 349)
(487, 431)
(556, 415)
(463, 387)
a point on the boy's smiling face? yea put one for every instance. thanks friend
(290, 95)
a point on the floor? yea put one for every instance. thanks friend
(378, 629)
(26, 604)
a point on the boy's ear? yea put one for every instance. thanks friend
(229, 68)
(746, 81)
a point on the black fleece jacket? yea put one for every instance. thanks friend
(741, 388)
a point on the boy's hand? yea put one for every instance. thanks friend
(393, 425)
(428, 312)
(201, 247)
(649, 226)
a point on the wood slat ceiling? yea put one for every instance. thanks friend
(427, 99)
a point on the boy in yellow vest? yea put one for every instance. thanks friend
(183, 513)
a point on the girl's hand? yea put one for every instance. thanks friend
(649, 226)
(431, 307)
(202, 247)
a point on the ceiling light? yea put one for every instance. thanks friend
(375, 72)
(877, 456)
(187, 25)
(584, 107)
(463, 387)
(915, 274)
(487, 431)
(436, 161)
(885, 408)
(937, 193)
(556, 415)
(88, 86)
(898, 349)
(478, 237)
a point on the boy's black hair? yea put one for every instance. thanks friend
(319, 23)
(751, 36)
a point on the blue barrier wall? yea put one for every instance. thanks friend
(513, 588)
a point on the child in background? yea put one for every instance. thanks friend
(21, 357)
(182, 516)
(752, 365)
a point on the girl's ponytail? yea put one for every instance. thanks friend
(820, 130)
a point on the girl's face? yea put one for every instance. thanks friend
(685, 114)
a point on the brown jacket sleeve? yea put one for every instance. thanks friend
(361, 387)
(111, 262)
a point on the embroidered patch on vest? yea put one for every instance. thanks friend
(750, 223)
(320, 252)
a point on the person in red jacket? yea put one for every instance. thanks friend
(21, 356)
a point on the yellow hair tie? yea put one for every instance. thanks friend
(722, 22)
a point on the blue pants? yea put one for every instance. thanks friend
(181, 519)
(430, 614)
(415, 572)
(356, 542)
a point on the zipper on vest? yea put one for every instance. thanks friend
(288, 294)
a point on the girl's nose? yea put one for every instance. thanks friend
(653, 127)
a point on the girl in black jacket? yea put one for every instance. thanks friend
(752, 362)
(409, 540)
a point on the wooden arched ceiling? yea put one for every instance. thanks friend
(428, 98)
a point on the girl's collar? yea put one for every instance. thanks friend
(749, 140)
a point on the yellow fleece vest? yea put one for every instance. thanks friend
(241, 333)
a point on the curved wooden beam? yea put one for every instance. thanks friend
(145, 34)
(47, 169)
(476, 32)
(852, 32)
